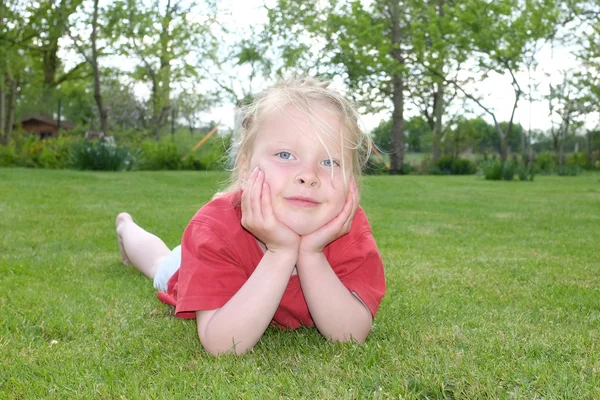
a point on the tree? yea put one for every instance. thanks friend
(366, 46)
(384, 51)
(91, 58)
(589, 78)
(10, 39)
(502, 33)
(565, 104)
(164, 38)
(466, 134)
(382, 136)
(190, 104)
(440, 47)
(418, 134)
(46, 28)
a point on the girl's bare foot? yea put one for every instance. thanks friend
(122, 218)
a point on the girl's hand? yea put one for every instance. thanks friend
(334, 229)
(260, 220)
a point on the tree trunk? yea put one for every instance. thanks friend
(10, 109)
(3, 135)
(564, 132)
(503, 141)
(438, 104)
(456, 149)
(100, 104)
(523, 145)
(561, 153)
(50, 66)
(589, 148)
(162, 103)
(397, 155)
(97, 90)
(438, 112)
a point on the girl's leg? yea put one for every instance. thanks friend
(138, 247)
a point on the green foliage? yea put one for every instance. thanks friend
(462, 166)
(448, 165)
(418, 134)
(546, 163)
(579, 159)
(132, 152)
(159, 156)
(525, 172)
(382, 136)
(102, 156)
(30, 152)
(175, 155)
(168, 36)
(569, 170)
(8, 156)
(443, 165)
(492, 170)
(374, 167)
(193, 163)
(508, 171)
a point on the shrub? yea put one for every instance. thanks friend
(462, 166)
(492, 170)
(102, 156)
(54, 153)
(579, 159)
(442, 166)
(425, 165)
(374, 167)
(213, 155)
(407, 169)
(8, 156)
(508, 171)
(545, 162)
(569, 170)
(159, 156)
(191, 162)
(525, 172)
(448, 165)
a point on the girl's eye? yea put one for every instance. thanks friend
(328, 163)
(285, 155)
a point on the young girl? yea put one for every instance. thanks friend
(287, 243)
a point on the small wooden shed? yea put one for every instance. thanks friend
(42, 126)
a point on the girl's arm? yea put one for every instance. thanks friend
(241, 322)
(337, 313)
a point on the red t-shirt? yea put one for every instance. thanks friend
(218, 256)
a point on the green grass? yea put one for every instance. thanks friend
(493, 292)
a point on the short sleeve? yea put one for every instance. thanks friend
(209, 274)
(360, 269)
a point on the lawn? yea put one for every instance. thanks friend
(493, 292)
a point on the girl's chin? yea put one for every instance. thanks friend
(302, 229)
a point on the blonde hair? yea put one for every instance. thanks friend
(302, 93)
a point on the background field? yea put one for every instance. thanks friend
(493, 292)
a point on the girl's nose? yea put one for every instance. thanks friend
(308, 177)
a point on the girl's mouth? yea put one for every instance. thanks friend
(304, 202)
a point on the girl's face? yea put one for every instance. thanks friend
(297, 168)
